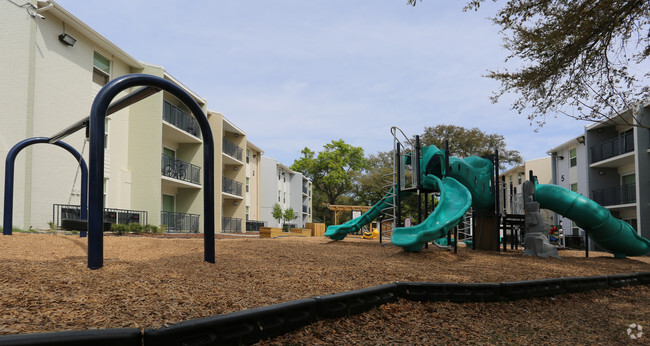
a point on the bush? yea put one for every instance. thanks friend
(136, 228)
(148, 228)
(120, 229)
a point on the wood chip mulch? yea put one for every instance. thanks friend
(152, 282)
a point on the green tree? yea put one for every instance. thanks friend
(465, 142)
(584, 59)
(332, 171)
(277, 213)
(289, 215)
(373, 183)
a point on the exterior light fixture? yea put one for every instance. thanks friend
(67, 39)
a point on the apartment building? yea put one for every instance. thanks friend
(512, 198)
(569, 170)
(253, 186)
(287, 188)
(619, 166)
(53, 65)
(610, 163)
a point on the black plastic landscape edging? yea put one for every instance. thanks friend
(95, 337)
(250, 326)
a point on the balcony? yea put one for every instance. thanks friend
(233, 150)
(618, 195)
(181, 119)
(180, 170)
(612, 148)
(230, 225)
(231, 186)
(179, 222)
(111, 215)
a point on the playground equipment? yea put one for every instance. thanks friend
(102, 107)
(610, 233)
(471, 182)
(7, 224)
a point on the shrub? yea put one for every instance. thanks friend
(120, 229)
(148, 228)
(52, 225)
(136, 228)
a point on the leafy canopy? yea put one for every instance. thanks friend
(584, 59)
(332, 171)
(465, 142)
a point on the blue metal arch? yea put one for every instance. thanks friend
(96, 161)
(10, 161)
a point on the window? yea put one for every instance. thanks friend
(105, 133)
(248, 182)
(279, 194)
(247, 212)
(101, 69)
(519, 178)
(574, 187)
(572, 156)
(248, 156)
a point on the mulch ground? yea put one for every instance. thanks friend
(152, 282)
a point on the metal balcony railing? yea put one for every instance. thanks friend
(618, 195)
(111, 215)
(230, 225)
(181, 119)
(613, 147)
(179, 222)
(179, 169)
(232, 149)
(231, 186)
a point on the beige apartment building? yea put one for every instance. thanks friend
(515, 177)
(53, 65)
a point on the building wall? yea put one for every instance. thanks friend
(253, 173)
(269, 190)
(47, 86)
(642, 143)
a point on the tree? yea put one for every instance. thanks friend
(277, 213)
(332, 171)
(468, 142)
(583, 59)
(289, 215)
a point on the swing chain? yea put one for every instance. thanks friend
(76, 175)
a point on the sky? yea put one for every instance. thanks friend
(296, 74)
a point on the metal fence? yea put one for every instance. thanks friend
(615, 195)
(613, 147)
(230, 225)
(232, 149)
(111, 215)
(181, 119)
(254, 226)
(231, 186)
(179, 222)
(179, 169)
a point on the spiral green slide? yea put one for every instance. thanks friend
(610, 233)
(455, 199)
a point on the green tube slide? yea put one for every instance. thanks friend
(455, 199)
(338, 232)
(610, 233)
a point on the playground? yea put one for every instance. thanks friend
(152, 282)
